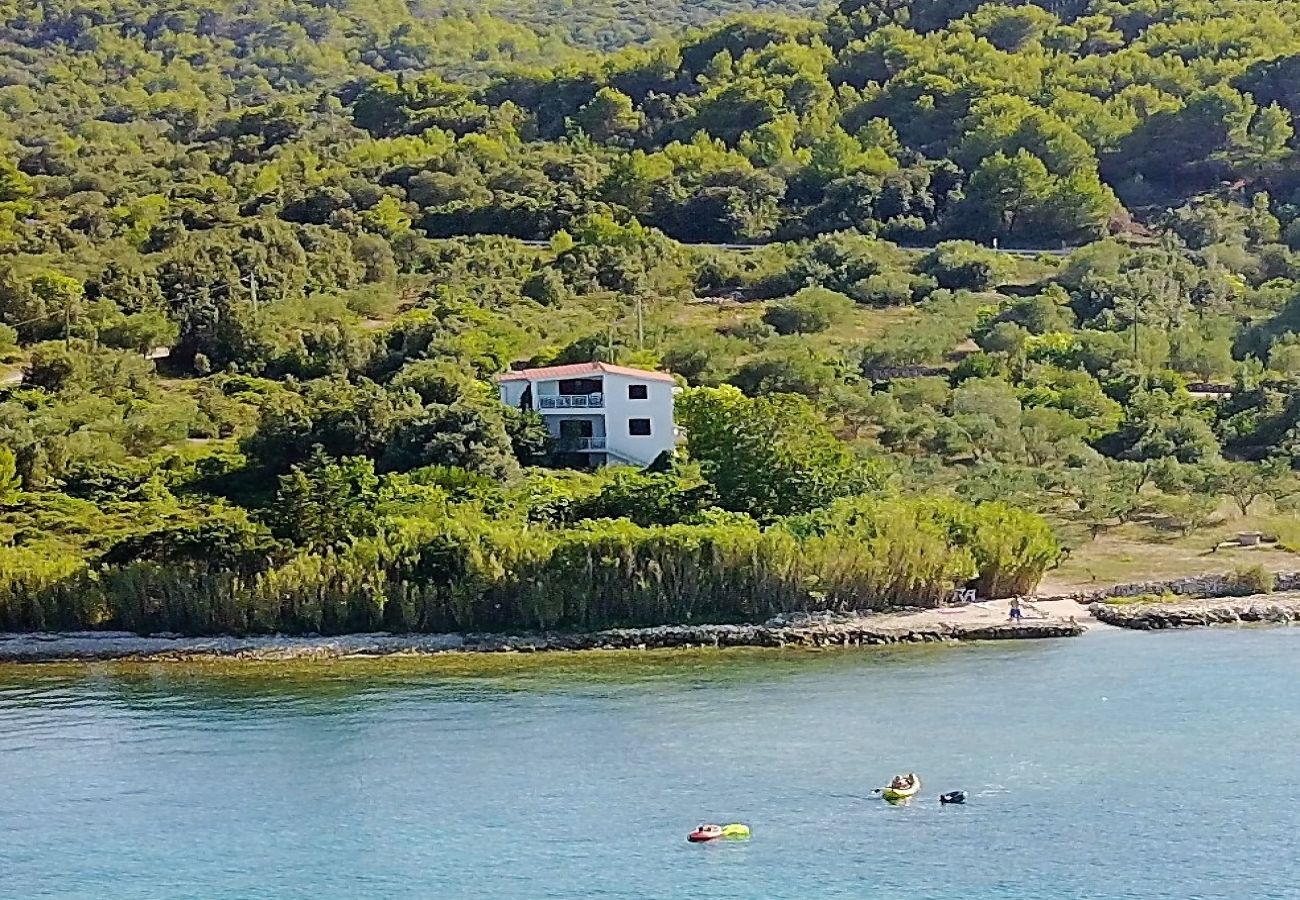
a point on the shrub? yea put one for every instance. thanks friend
(891, 288)
(1253, 580)
(808, 312)
(8, 342)
(964, 264)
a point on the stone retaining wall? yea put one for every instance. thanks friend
(1261, 608)
(848, 632)
(893, 373)
(1223, 584)
(851, 633)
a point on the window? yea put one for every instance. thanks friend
(638, 427)
(638, 392)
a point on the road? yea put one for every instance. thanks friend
(749, 248)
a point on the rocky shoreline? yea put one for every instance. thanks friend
(805, 632)
(1273, 609)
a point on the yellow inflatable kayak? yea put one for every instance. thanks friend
(706, 833)
(910, 788)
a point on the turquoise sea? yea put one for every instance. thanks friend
(1120, 765)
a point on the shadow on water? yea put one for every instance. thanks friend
(320, 685)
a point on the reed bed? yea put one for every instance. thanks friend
(864, 554)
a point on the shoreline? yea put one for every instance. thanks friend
(961, 624)
(1046, 618)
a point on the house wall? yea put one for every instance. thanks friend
(657, 407)
(512, 392)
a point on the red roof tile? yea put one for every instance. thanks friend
(580, 370)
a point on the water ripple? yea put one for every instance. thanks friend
(569, 783)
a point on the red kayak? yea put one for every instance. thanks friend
(707, 833)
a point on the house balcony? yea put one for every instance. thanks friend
(581, 445)
(571, 401)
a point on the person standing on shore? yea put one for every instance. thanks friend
(1016, 612)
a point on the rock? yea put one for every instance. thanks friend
(1200, 613)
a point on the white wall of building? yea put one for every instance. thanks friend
(513, 391)
(620, 409)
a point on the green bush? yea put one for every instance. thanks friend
(1254, 579)
(959, 265)
(808, 312)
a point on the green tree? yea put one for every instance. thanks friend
(387, 217)
(786, 370)
(10, 483)
(141, 332)
(326, 503)
(1245, 483)
(609, 115)
(768, 456)
(1102, 495)
(530, 439)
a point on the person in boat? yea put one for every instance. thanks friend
(901, 782)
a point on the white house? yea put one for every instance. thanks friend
(598, 412)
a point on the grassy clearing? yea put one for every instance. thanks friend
(1136, 552)
(864, 323)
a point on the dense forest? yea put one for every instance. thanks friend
(259, 262)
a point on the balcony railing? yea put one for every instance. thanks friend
(581, 444)
(572, 401)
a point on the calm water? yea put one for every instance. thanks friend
(1121, 765)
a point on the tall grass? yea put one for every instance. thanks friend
(862, 555)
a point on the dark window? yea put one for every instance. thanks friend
(639, 427)
(572, 387)
(638, 392)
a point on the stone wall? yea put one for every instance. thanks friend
(1264, 608)
(826, 631)
(851, 632)
(1223, 584)
(893, 373)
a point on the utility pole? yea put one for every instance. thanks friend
(640, 324)
(1136, 315)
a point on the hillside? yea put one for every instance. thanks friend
(342, 220)
(1009, 122)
